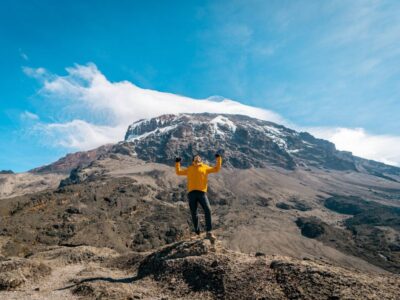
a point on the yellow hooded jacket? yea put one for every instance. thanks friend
(197, 174)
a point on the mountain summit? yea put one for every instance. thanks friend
(246, 142)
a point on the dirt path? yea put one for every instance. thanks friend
(49, 288)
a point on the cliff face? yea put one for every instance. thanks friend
(246, 142)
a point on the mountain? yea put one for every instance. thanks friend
(71, 161)
(294, 217)
(6, 172)
(48, 176)
(247, 142)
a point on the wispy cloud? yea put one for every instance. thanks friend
(384, 148)
(23, 55)
(317, 55)
(77, 134)
(27, 115)
(368, 28)
(99, 112)
(38, 73)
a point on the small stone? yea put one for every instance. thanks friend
(214, 264)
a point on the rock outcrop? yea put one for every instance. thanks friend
(198, 270)
(246, 142)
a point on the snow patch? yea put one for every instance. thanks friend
(273, 130)
(137, 124)
(224, 121)
(155, 131)
(276, 135)
(293, 151)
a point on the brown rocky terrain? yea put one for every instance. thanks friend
(12, 185)
(118, 226)
(191, 269)
(48, 176)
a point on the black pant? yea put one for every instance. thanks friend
(199, 197)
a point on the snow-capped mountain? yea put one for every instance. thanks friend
(329, 207)
(245, 141)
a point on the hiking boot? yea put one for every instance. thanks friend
(194, 235)
(211, 237)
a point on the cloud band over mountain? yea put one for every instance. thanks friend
(84, 110)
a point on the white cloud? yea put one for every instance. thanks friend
(38, 73)
(384, 148)
(100, 112)
(103, 109)
(29, 116)
(77, 134)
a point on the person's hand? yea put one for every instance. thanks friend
(178, 159)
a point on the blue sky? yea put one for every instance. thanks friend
(329, 66)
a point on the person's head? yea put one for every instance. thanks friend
(196, 159)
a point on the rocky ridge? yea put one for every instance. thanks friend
(247, 142)
(189, 269)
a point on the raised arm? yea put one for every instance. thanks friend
(178, 169)
(217, 166)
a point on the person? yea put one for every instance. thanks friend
(197, 174)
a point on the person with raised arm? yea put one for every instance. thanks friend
(197, 182)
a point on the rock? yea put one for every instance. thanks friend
(346, 204)
(193, 270)
(283, 205)
(312, 280)
(73, 210)
(16, 272)
(264, 202)
(311, 227)
(123, 148)
(75, 255)
(75, 177)
(294, 204)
